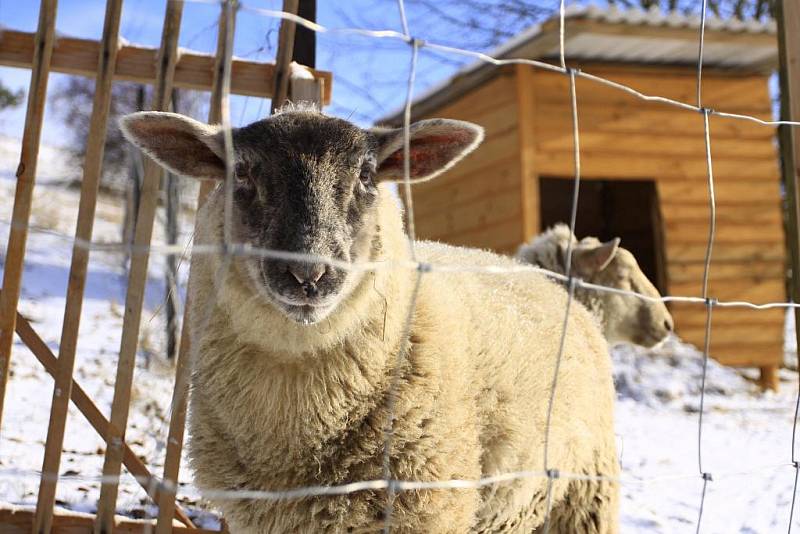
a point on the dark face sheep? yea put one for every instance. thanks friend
(304, 183)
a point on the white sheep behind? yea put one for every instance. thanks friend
(624, 319)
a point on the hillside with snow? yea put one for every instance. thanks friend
(746, 440)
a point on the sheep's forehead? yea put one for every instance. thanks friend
(316, 138)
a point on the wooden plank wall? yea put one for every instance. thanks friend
(478, 203)
(626, 138)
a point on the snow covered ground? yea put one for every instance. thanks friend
(746, 441)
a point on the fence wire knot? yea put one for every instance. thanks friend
(707, 477)
(423, 267)
(552, 474)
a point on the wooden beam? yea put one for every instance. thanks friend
(529, 179)
(788, 18)
(16, 521)
(138, 64)
(183, 369)
(92, 414)
(283, 58)
(92, 170)
(26, 176)
(305, 40)
(137, 279)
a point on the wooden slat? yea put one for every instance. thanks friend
(657, 143)
(529, 179)
(625, 119)
(137, 278)
(16, 521)
(92, 170)
(788, 18)
(739, 232)
(498, 93)
(139, 64)
(283, 58)
(732, 334)
(498, 147)
(501, 236)
(183, 369)
(90, 411)
(695, 252)
(695, 316)
(501, 118)
(726, 191)
(461, 189)
(750, 290)
(724, 271)
(616, 163)
(471, 216)
(756, 212)
(26, 176)
(719, 92)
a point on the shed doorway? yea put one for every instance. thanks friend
(628, 209)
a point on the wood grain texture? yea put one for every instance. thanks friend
(23, 196)
(92, 171)
(138, 64)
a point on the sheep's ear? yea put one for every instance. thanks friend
(592, 259)
(182, 145)
(435, 146)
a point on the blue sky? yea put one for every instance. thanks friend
(368, 73)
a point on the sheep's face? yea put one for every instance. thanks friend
(627, 319)
(307, 184)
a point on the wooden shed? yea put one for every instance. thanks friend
(643, 163)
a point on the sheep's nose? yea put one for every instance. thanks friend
(668, 324)
(307, 273)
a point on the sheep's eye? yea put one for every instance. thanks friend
(243, 176)
(365, 177)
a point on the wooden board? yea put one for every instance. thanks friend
(478, 202)
(20, 521)
(627, 119)
(90, 182)
(194, 70)
(472, 216)
(493, 179)
(726, 271)
(619, 163)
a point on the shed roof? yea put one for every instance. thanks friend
(613, 35)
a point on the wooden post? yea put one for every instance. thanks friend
(137, 280)
(305, 40)
(283, 59)
(172, 209)
(26, 176)
(92, 170)
(788, 17)
(133, 189)
(529, 180)
(89, 410)
(177, 421)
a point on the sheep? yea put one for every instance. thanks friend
(624, 319)
(295, 361)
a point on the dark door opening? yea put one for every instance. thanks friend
(607, 209)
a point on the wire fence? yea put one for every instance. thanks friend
(230, 250)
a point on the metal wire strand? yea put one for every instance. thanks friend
(712, 214)
(570, 296)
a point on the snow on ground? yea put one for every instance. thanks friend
(746, 440)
